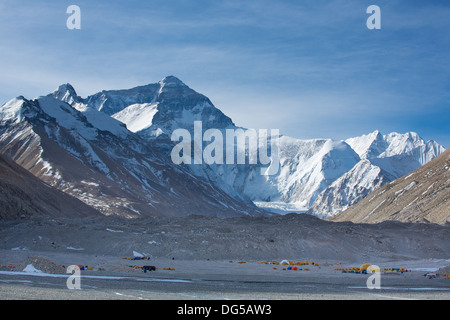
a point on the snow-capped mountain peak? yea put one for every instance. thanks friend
(66, 93)
(384, 158)
(92, 156)
(172, 81)
(170, 105)
(173, 90)
(114, 131)
(16, 110)
(307, 167)
(376, 145)
(11, 110)
(369, 145)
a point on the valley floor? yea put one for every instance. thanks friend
(221, 280)
(204, 258)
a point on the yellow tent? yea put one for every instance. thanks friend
(364, 267)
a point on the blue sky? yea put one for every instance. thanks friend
(309, 68)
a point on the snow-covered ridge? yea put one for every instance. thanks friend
(384, 158)
(319, 175)
(95, 158)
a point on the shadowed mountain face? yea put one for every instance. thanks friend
(421, 196)
(24, 196)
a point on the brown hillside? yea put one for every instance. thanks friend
(422, 196)
(22, 195)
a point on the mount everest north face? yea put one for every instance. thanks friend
(111, 150)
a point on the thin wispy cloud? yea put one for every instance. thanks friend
(309, 68)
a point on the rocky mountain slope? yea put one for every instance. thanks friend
(24, 196)
(421, 196)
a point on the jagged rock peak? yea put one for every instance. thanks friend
(172, 81)
(67, 87)
(66, 93)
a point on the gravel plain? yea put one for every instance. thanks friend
(204, 258)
